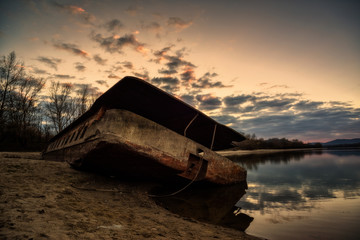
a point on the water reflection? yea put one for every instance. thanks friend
(252, 161)
(208, 203)
(290, 195)
(290, 190)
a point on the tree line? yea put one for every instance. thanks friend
(32, 109)
(252, 142)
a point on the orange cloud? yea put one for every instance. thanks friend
(142, 49)
(189, 74)
(76, 9)
(72, 48)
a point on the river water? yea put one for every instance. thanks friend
(303, 195)
(290, 195)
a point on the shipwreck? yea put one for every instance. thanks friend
(136, 129)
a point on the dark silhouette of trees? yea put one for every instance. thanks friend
(23, 105)
(60, 108)
(27, 119)
(252, 143)
(83, 98)
(20, 118)
(11, 71)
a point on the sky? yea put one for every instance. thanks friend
(281, 68)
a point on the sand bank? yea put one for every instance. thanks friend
(49, 200)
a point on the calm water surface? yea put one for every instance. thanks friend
(303, 195)
(290, 195)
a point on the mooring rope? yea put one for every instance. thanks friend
(213, 137)
(182, 189)
(190, 123)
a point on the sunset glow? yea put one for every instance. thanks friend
(273, 68)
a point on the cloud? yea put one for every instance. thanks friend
(173, 62)
(116, 43)
(76, 11)
(178, 23)
(169, 84)
(143, 75)
(307, 105)
(99, 60)
(189, 99)
(339, 104)
(279, 86)
(72, 48)
(160, 54)
(226, 119)
(115, 68)
(167, 71)
(102, 82)
(80, 66)
(114, 25)
(153, 26)
(275, 104)
(258, 103)
(113, 76)
(165, 80)
(36, 70)
(208, 102)
(132, 10)
(238, 100)
(128, 65)
(290, 117)
(63, 76)
(206, 81)
(188, 75)
(51, 62)
(170, 88)
(90, 89)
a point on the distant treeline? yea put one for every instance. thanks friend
(252, 142)
(30, 113)
(351, 145)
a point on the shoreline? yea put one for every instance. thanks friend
(36, 195)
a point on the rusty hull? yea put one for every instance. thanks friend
(137, 129)
(125, 143)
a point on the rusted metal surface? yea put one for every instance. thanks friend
(125, 142)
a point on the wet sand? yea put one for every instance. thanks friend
(49, 200)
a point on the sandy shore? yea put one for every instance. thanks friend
(49, 200)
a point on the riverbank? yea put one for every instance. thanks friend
(49, 200)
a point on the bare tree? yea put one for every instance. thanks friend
(61, 108)
(24, 102)
(86, 96)
(94, 95)
(11, 71)
(83, 99)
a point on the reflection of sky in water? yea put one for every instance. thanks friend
(312, 196)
